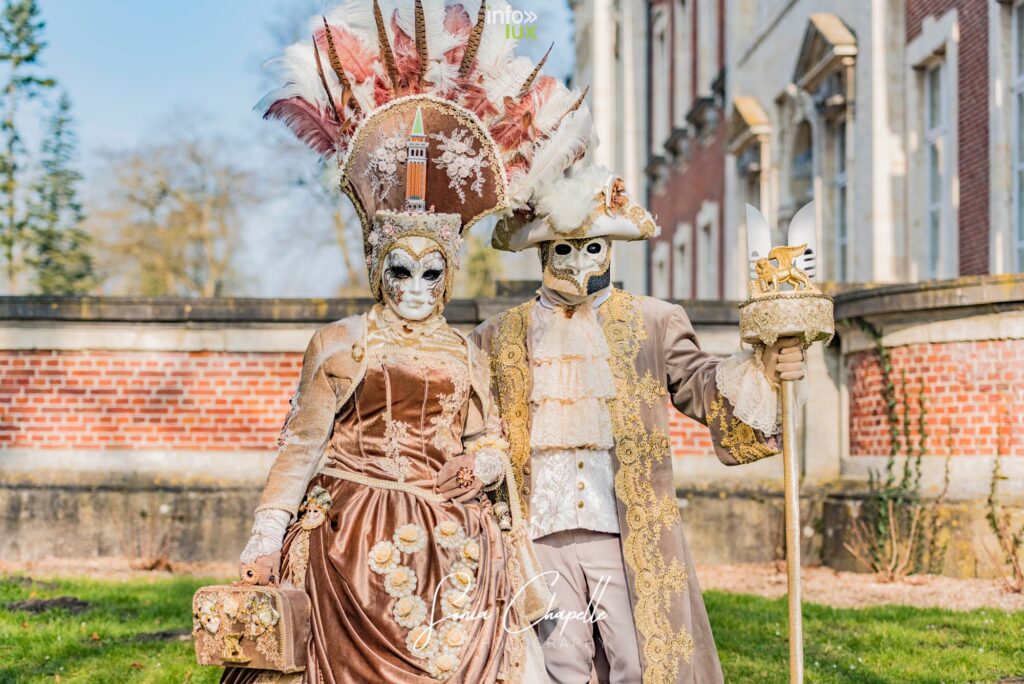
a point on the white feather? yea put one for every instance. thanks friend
(296, 71)
(508, 81)
(550, 158)
(363, 93)
(357, 17)
(553, 107)
(495, 50)
(444, 76)
(439, 41)
(570, 199)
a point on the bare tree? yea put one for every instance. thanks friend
(329, 217)
(168, 221)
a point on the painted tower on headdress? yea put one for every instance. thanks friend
(416, 166)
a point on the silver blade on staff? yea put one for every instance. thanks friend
(783, 302)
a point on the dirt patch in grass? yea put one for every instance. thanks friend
(858, 590)
(109, 568)
(165, 635)
(71, 604)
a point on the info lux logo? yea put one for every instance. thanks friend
(519, 24)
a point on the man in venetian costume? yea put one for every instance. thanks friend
(584, 374)
(374, 502)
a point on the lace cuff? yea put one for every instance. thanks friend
(268, 530)
(755, 399)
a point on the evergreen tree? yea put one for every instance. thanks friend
(59, 248)
(20, 45)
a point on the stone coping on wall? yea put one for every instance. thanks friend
(987, 294)
(976, 294)
(258, 312)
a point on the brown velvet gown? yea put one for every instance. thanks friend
(385, 557)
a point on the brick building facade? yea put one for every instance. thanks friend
(686, 143)
(903, 121)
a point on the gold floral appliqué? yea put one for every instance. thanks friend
(738, 438)
(510, 371)
(660, 581)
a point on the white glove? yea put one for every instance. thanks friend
(268, 530)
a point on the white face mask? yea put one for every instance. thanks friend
(577, 267)
(413, 285)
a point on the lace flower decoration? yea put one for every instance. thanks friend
(260, 615)
(410, 611)
(462, 576)
(422, 642)
(471, 552)
(449, 534)
(383, 557)
(460, 161)
(454, 602)
(410, 538)
(452, 637)
(443, 665)
(400, 582)
(387, 156)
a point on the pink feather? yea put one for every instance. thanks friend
(355, 56)
(456, 20)
(407, 59)
(474, 98)
(309, 124)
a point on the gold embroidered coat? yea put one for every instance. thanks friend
(654, 354)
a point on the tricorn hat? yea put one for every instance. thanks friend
(591, 202)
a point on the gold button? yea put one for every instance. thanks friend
(580, 486)
(579, 504)
(580, 465)
(526, 470)
(526, 490)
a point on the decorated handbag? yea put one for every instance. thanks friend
(258, 627)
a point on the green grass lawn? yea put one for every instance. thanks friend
(129, 633)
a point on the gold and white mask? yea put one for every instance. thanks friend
(578, 267)
(414, 278)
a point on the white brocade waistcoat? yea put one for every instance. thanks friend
(571, 434)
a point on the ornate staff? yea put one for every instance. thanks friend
(773, 311)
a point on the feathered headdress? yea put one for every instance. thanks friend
(496, 127)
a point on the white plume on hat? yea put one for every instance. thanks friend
(587, 202)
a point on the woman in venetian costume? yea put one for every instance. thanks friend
(377, 502)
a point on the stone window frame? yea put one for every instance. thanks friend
(841, 188)
(708, 223)
(1016, 126)
(936, 46)
(707, 46)
(682, 262)
(682, 28)
(661, 56)
(935, 135)
(660, 259)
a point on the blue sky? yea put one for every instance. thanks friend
(128, 65)
(132, 66)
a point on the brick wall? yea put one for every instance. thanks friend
(144, 400)
(169, 400)
(972, 398)
(699, 179)
(973, 124)
(688, 437)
